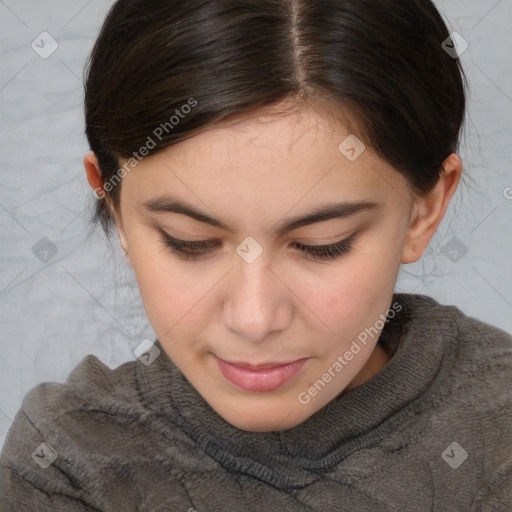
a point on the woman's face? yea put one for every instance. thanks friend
(252, 296)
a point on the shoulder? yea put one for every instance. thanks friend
(472, 338)
(475, 374)
(481, 357)
(483, 348)
(83, 442)
(62, 429)
(91, 384)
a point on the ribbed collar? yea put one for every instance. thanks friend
(417, 336)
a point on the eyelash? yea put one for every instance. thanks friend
(317, 252)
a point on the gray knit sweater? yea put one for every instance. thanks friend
(431, 432)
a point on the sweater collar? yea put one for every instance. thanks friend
(295, 457)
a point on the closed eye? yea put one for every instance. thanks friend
(190, 250)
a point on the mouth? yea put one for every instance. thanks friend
(263, 377)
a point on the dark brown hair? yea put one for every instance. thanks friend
(162, 71)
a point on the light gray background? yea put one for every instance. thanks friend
(85, 299)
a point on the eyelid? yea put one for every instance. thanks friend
(184, 233)
(302, 240)
(318, 253)
(206, 242)
(212, 242)
(339, 240)
(326, 240)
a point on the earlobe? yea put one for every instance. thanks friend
(409, 254)
(429, 211)
(122, 239)
(419, 234)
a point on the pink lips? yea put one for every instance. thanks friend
(259, 378)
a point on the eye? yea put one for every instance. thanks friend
(187, 250)
(195, 249)
(328, 252)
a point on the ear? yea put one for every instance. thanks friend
(96, 182)
(93, 172)
(428, 212)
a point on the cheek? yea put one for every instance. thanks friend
(356, 295)
(170, 298)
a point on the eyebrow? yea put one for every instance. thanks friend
(166, 204)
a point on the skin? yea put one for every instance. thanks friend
(285, 305)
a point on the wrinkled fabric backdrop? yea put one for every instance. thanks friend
(62, 297)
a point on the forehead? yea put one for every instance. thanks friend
(296, 152)
(272, 141)
(271, 133)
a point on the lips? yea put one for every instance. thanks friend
(261, 366)
(259, 378)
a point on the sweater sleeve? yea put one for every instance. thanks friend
(29, 481)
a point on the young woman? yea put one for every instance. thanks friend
(269, 165)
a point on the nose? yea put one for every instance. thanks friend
(257, 300)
